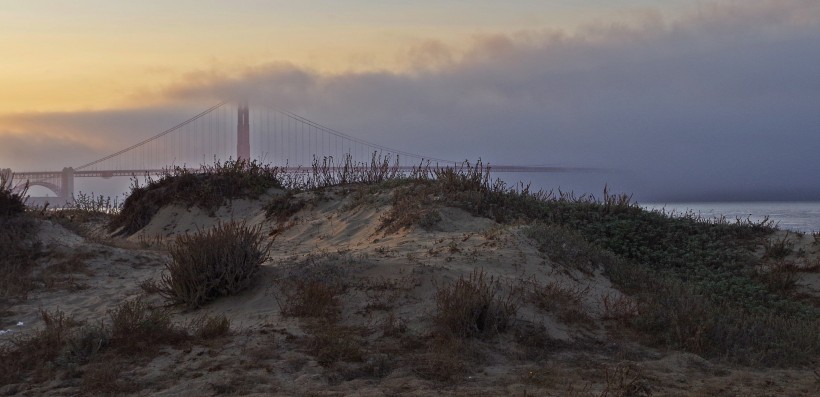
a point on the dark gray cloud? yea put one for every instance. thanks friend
(720, 104)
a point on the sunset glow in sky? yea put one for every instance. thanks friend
(69, 55)
(677, 99)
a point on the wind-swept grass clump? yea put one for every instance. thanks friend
(474, 307)
(209, 187)
(212, 263)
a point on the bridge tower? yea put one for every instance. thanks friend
(243, 133)
(67, 184)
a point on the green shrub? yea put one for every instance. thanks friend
(207, 188)
(472, 307)
(217, 262)
(568, 247)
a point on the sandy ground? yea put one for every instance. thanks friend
(391, 282)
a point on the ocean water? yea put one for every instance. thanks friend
(797, 216)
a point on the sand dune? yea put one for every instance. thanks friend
(390, 282)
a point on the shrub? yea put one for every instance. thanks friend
(310, 298)
(568, 247)
(137, 327)
(23, 355)
(210, 327)
(411, 206)
(208, 188)
(283, 206)
(330, 342)
(11, 203)
(472, 307)
(19, 248)
(565, 302)
(218, 262)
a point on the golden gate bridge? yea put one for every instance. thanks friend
(224, 131)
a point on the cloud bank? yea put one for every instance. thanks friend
(718, 104)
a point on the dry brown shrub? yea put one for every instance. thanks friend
(218, 262)
(19, 249)
(330, 342)
(310, 298)
(619, 307)
(566, 302)
(474, 307)
(34, 354)
(210, 327)
(105, 378)
(442, 359)
(136, 327)
(780, 276)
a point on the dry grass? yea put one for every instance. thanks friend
(310, 298)
(330, 342)
(210, 327)
(137, 327)
(565, 302)
(32, 355)
(105, 378)
(473, 307)
(218, 262)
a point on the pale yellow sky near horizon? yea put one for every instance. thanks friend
(87, 55)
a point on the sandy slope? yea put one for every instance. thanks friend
(391, 282)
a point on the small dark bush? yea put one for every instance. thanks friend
(34, 353)
(19, 248)
(412, 206)
(11, 203)
(210, 327)
(472, 307)
(82, 346)
(568, 247)
(310, 298)
(283, 206)
(218, 262)
(137, 327)
(778, 248)
(330, 342)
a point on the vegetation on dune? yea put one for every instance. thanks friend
(694, 283)
(217, 262)
(208, 188)
(18, 243)
(11, 203)
(135, 329)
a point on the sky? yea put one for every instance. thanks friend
(669, 101)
